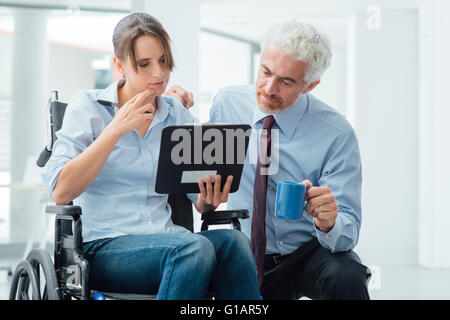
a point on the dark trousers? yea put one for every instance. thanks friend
(317, 273)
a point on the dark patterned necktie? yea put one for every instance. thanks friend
(258, 233)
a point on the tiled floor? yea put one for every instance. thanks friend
(393, 283)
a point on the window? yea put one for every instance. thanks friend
(224, 60)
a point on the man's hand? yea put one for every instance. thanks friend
(322, 206)
(186, 98)
(209, 197)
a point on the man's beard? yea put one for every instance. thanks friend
(274, 106)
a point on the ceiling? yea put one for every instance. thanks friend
(246, 19)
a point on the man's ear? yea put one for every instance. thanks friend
(118, 65)
(311, 86)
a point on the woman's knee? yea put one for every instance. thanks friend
(234, 238)
(233, 243)
(196, 252)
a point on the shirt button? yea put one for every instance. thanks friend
(281, 242)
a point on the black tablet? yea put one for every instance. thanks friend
(191, 152)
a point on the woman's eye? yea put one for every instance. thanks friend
(142, 65)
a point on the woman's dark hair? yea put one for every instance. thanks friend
(132, 27)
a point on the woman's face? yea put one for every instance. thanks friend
(152, 72)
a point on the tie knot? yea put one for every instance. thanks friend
(268, 122)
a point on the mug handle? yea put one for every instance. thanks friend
(306, 204)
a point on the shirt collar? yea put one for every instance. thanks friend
(288, 119)
(161, 112)
(110, 92)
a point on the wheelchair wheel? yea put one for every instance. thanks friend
(38, 263)
(23, 276)
(41, 261)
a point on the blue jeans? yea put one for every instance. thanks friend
(175, 265)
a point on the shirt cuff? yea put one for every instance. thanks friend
(192, 197)
(329, 239)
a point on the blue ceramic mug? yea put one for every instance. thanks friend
(290, 200)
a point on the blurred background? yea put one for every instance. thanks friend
(388, 76)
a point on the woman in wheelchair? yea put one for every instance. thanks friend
(105, 160)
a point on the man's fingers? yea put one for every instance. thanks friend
(316, 191)
(320, 201)
(329, 207)
(190, 101)
(186, 98)
(307, 183)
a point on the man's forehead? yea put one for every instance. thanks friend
(282, 64)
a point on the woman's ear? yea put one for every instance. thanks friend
(119, 66)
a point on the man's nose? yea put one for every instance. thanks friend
(271, 86)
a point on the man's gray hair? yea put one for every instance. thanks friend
(303, 42)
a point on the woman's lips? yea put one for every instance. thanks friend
(157, 84)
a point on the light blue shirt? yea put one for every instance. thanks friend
(122, 199)
(315, 143)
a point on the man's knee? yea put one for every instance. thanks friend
(345, 280)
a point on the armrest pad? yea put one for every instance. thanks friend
(65, 209)
(225, 215)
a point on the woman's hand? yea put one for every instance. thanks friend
(133, 113)
(210, 197)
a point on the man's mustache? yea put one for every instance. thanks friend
(272, 98)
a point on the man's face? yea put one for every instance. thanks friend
(280, 83)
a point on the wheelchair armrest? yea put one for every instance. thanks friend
(223, 215)
(68, 210)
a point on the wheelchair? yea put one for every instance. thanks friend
(67, 276)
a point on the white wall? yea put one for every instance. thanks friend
(434, 134)
(380, 99)
(69, 71)
(387, 128)
(181, 21)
